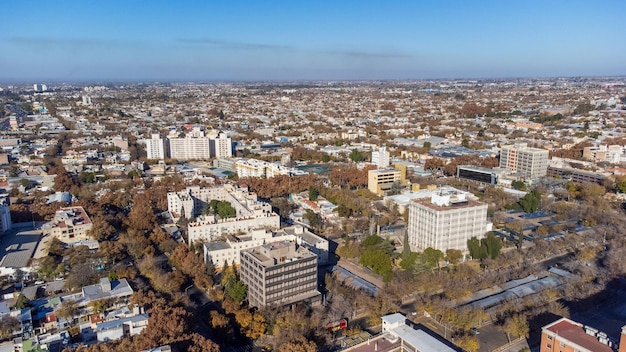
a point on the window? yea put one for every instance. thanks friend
(549, 345)
(562, 344)
(549, 337)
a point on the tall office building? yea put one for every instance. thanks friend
(446, 221)
(381, 181)
(5, 213)
(279, 274)
(221, 146)
(380, 158)
(155, 147)
(530, 162)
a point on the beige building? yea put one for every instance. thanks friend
(446, 220)
(381, 181)
(530, 162)
(69, 225)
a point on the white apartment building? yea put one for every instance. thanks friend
(155, 147)
(5, 213)
(530, 162)
(221, 145)
(446, 221)
(380, 158)
(250, 212)
(189, 148)
(260, 168)
(229, 250)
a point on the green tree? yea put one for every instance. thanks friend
(357, 156)
(491, 245)
(406, 248)
(433, 257)
(313, 194)
(519, 185)
(531, 201)
(225, 210)
(475, 249)
(21, 302)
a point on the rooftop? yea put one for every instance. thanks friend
(575, 333)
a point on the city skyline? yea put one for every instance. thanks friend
(313, 41)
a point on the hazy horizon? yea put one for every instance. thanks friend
(319, 41)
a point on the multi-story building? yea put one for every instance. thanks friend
(229, 249)
(380, 158)
(565, 335)
(530, 162)
(260, 168)
(190, 147)
(381, 181)
(155, 147)
(5, 213)
(446, 220)
(250, 212)
(611, 153)
(220, 144)
(279, 274)
(69, 225)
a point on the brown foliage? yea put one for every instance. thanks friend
(350, 176)
(192, 265)
(278, 186)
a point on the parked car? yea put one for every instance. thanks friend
(39, 282)
(474, 331)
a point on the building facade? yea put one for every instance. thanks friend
(381, 181)
(380, 158)
(446, 221)
(69, 225)
(221, 146)
(565, 335)
(530, 162)
(279, 274)
(155, 147)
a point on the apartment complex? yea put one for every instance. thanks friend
(69, 225)
(250, 212)
(565, 335)
(5, 213)
(530, 162)
(446, 220)
(260, 168)
(380, 158)
(220, 144)
(381, 181)
(229, 249)
(155, 147)
(196, 145)
(279, 274)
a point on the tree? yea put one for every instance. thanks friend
(8, 325)
(516, 325)
(68, 309)
(313, 194)
(519, 185)
(475, 248)
(433, 256)
(492, 245)
(453, 256)
(357, 156)
(531, 201)
(21, 302)
(468, 343)
(225, 210)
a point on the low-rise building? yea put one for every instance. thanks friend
(69, 225)
(565, 335)
(381, 181)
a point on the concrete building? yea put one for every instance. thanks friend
(5, 213)
(565, 335)
(446, 220)
(381, 181)
(380, 158)
(155, 147)
(193, 146)
(69, 225)
(530, 162)
(229, 250)
(122, 327)
(279, 274)
(221, 146)
(250, 212)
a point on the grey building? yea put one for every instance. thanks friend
(279, 274)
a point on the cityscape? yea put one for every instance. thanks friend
(313, 177)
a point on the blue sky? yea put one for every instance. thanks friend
(318, 40)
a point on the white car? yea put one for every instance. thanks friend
(39, 282)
